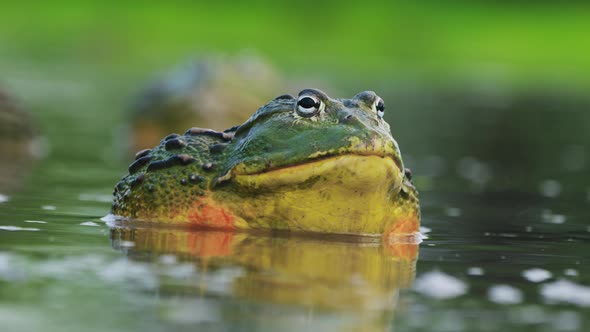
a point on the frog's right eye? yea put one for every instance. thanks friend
(308, 106)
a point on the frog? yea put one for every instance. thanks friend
(309, 163)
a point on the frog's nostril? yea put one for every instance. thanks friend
(348, 117)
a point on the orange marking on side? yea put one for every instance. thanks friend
(205, 212)
(407, 225)
(407, 251)
(217, 244)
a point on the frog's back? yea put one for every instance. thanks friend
(172, 175)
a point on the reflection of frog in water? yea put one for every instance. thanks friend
(358, 280)
(310, 163)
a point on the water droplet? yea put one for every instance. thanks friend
(550, 188)
(4, 198)
(504, 294)
(566, 291)
(549, 217)
(440, 285)
(536, 275)
(36, 221)
(475, 271)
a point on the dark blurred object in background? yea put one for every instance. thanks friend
(212, 92)
(19, 143)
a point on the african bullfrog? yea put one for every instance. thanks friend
(310, 163)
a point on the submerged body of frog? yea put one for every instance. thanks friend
(310, 163)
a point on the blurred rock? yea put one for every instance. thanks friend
(214, 92)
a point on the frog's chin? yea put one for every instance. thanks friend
(356, 173)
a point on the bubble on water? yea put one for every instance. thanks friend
(566, 321)
(440, 285)
(49, 207)
(505, 294)
(571, 272)
(550, 188)
(17, 228)
(573, 158)
(132, 273)
(167, 259)
(567, 292)
(4, 198)
(473, 170)
(68, 267)
(536, 275)
(36, 221)
(475, 271)
(89, 223)
(549, 217)
(453, 212)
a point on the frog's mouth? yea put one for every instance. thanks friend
(351, 171)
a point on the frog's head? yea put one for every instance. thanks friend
(292, 131)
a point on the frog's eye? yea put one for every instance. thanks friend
(308, 106)
(379, 107)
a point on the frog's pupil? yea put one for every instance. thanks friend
(381, 106)
(307, 102)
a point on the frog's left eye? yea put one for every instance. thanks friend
(379, 107)
(308, 106)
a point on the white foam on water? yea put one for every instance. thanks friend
(440, 285)
(566, 291)
(89, 223)
(17, 228)
(536, 275)
(49, 207)
(505, 294)
(475, 271)
(425, 230)
(125, 271)
(36, 221)
(549, 217)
